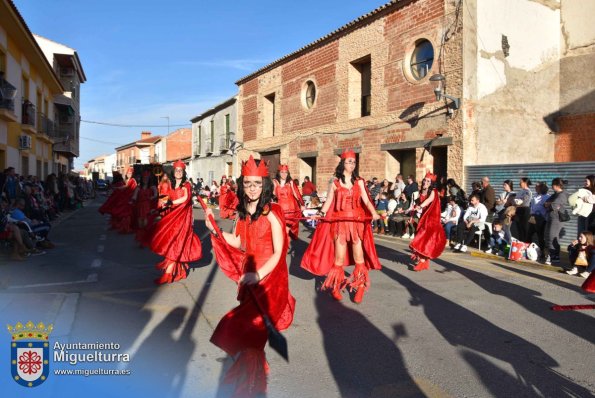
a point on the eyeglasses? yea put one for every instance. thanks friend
(252, 184)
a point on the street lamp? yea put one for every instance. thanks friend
(439, 84)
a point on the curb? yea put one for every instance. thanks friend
(528, 263)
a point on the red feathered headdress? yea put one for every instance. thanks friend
(348, 153)
(431, 177)
(250, 169)
(180, 164)
(283, 167)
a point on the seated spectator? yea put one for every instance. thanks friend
(39, 228)
(381, 226)
(581, 253)
(308, 189)
(473, 221)
(397, 219)
(450, 216)
(497, 242)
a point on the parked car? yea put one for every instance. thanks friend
(101, 185)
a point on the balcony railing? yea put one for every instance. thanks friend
(224, 144)
(46, 126)
(7, 94)
(28, 113)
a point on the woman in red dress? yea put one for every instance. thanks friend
(110, 204)
(173, 236)
(228, 200)
(123, 211)
(253, 255)
(429, 238)
(344, 236)
(289, 198)
(145, 199)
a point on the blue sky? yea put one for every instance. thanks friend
(147, 59)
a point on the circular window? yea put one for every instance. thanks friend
(310, 94)
(422, 59)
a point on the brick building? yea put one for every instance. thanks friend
(178, 145)
(366, 86)
(137, 152)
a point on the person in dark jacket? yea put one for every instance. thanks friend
(554, 205)
(488, 197)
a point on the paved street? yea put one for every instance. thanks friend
(468, 327)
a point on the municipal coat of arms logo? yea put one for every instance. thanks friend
(29, 353)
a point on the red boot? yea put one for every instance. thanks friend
(359, 295)
(423, 264)
(165, 278)
(336, 293)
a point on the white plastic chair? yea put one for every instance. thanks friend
(479, 233)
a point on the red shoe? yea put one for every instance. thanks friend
(423, 264)
(336, 293)
(165, 278)
(359, 295)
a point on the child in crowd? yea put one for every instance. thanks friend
(381, 225)
(450, 216)
(581, 253)
(498, 241)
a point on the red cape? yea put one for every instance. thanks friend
(319, 257)
(429, 238)
(243, 327)
(228, 202)
(589, 284)
(173, 236)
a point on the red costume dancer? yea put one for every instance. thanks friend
(173, 237)
(254, 255)
(145, 198)
(114, 198)
(346, 236)
(429, 238)
(228, 201)
(123, 211)
(289, 198)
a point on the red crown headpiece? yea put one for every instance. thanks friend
(431, 177)
(130, 170)
(283, 167)
(250, 169)
(348, 153)
(180, 164)
(224, 176)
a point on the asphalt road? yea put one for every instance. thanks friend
(468, 327)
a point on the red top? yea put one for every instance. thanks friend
(308, 187)
(290, 205)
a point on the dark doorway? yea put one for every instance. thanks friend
(311, 162)
(273, 158)
(440, 155)
(406, 160)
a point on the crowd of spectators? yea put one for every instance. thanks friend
(29, 205)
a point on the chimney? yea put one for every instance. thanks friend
(145, 135)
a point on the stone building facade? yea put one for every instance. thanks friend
(366, 86)
(213, 142)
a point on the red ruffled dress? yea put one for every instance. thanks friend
(242, 330)
(228, 202)
(429, 238)
(290, 205)
(319, 257)
(110, 204)
(145, 210)
(124, 211)
(173, 236)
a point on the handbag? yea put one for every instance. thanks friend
(563, 216)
